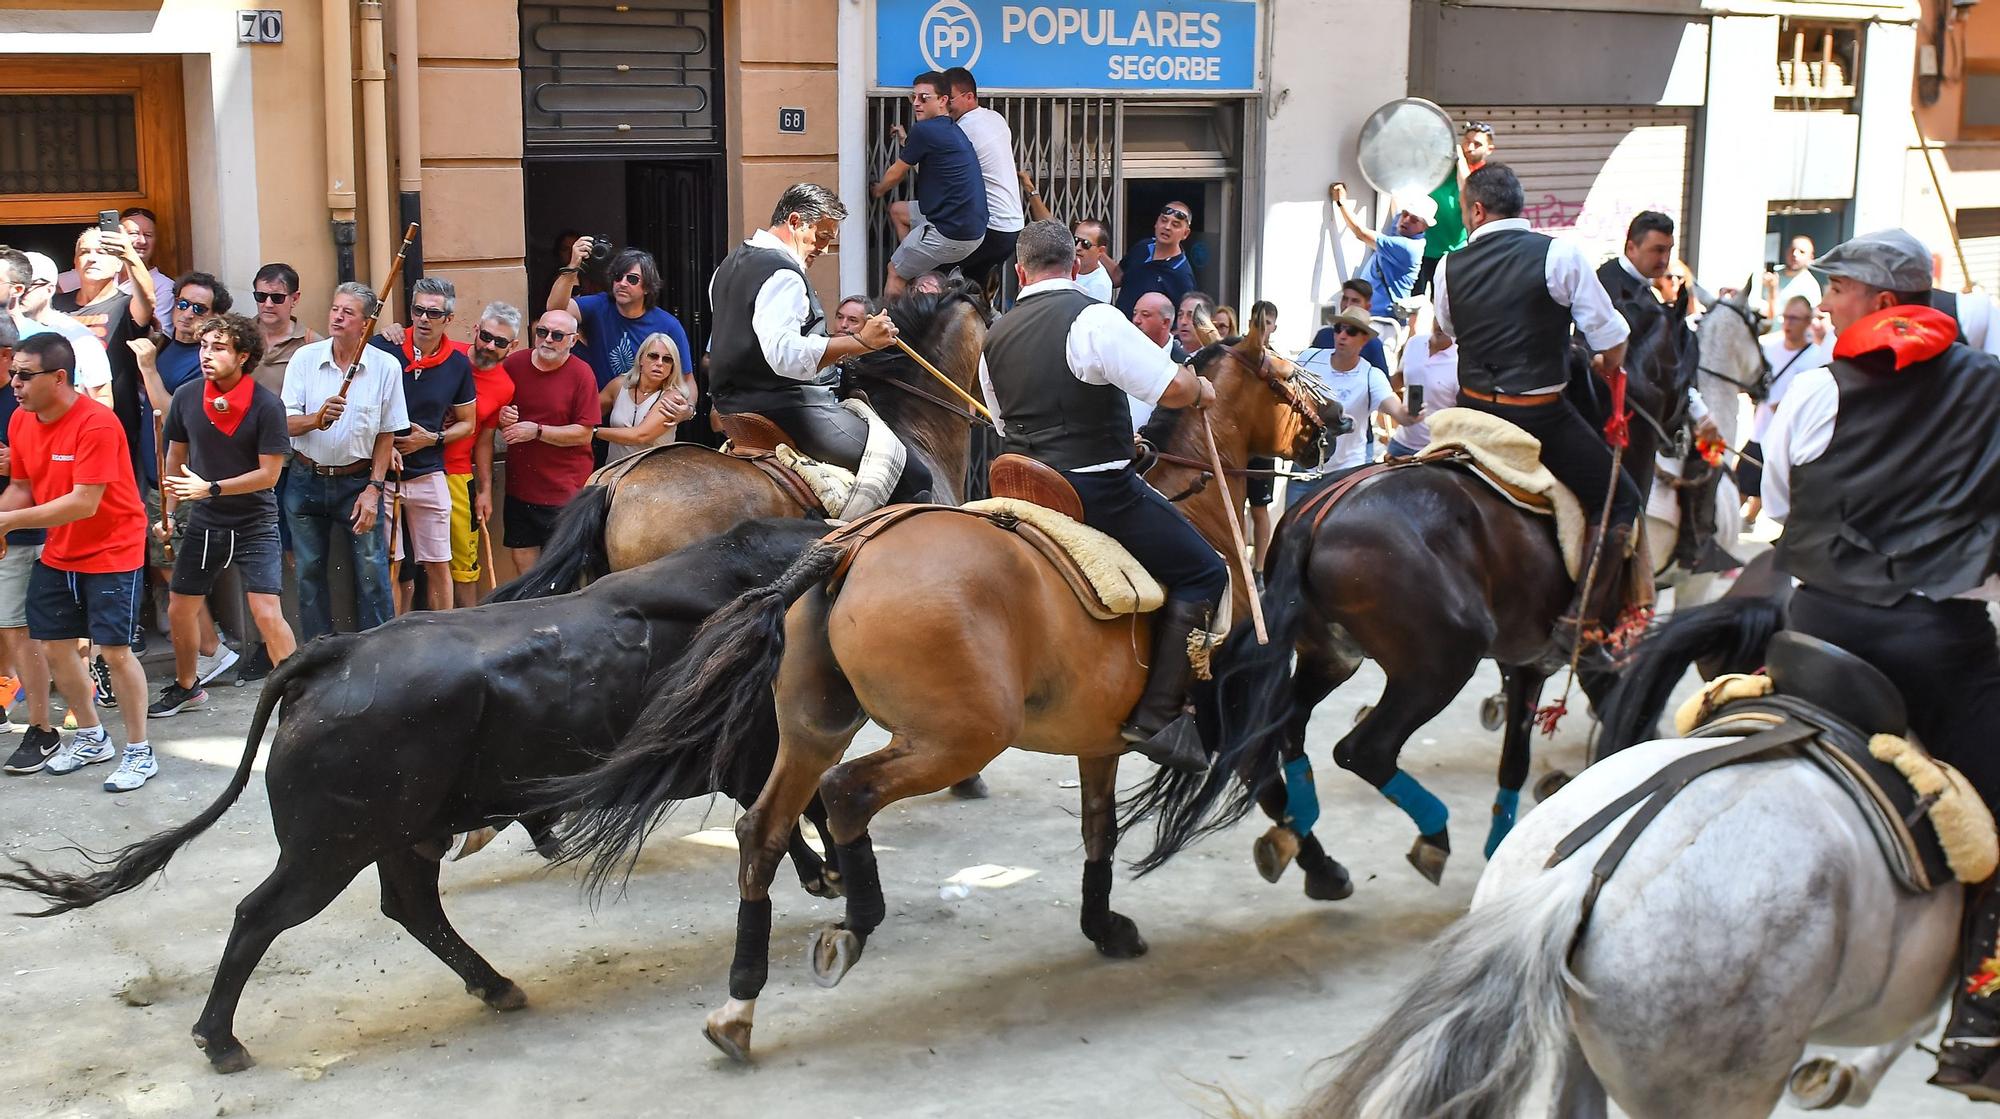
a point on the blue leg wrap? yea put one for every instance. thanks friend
(1506, 808)
(1301, 798)
(1427, 811)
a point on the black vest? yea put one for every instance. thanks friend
(739, 379)
(1619, 284)
(1947, 301)
(1906, 498)
(1513, 337)
(1051, 416)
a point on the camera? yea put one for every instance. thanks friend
(600, 249)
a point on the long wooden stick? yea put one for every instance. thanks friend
(970, 401)
(381, 301)
(1951, 226)
(487, 574)
(1237, 550)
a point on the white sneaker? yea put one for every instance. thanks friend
(136, 768)
(81, 750)
(206, 669)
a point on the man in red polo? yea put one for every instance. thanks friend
(547, 430)
(72, 475)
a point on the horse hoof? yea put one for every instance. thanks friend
(504, 998)
(234, 1058)
(1429, 859)
(1329, 883)
(1821, 1084)
(1117, 936)
(834, 951)
(825, 885)
(729, 1034)
(1493, 712)
(972, 788)
(1274, 851)
(1550, 784)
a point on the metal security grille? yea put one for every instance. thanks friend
(1979, 230)
(68, 144)
(610, 77)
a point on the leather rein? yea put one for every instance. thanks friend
(1281, 387)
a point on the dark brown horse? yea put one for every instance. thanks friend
(637, 510)
(1426, 571)
(955, 635)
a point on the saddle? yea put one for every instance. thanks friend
(1822, 704)
(756, 440)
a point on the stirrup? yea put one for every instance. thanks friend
(1176, 745)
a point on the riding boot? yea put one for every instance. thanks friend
(1587, 624)
(1160, 727)
(1967, 1060)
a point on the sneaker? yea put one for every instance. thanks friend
(175, 699)
(81, 750)
(38, 744)
(101, 672)
(208, 669)
(137, 767)
(138, 643)
(254, 667)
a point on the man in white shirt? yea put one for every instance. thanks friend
(993, 141)
(1795, 278)
(27, 286)
(1093, 268)
(343, 436)
(1788, 352)
(1432, 370)
(1362, 389)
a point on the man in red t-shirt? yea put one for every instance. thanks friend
(547, 430)
(468, 463)
(72, 475)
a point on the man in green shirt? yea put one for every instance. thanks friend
(1475, 147)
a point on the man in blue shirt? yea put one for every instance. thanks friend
(614, 323)
(197, 296)
(1397, 255)
(1157, 263)
(948, 219)
(1355, 292)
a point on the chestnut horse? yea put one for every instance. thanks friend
(959, 659)
(637, 510)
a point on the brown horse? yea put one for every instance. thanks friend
(959, 660)
(657, 502)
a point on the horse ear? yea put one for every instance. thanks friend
(1256, 339)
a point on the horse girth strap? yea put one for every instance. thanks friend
(1320, 504)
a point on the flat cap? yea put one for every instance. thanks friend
(1890, 259)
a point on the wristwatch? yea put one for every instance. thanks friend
(215, 489)
(440, 438)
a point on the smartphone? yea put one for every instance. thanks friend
(107, 221)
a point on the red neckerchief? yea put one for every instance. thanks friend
(227, 409)
(1899, 337)
(416, 364)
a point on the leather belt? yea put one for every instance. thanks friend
(1529, 401)
(355, 467)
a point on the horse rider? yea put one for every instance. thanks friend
(1510, 300)
(1058, 368)
(1628, 278)
(1884, 470)
(768, 350)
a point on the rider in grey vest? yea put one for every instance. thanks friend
(1058, 368)
(1509, 297)
(768, 348)
(1885, 471)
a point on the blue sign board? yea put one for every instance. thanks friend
(1180, 46)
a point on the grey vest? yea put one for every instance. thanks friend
(1513, 337)
(739, 379)
(1051, 416)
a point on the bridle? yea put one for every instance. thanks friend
(1302, 394)
(1744, 314)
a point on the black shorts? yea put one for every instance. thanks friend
(1750, 475)
(528, 525)
(255, 552)
(65, 605)
(1261, 488)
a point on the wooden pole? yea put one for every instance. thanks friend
(1237, 549)
(487, 574)
(1950, 225)
(970, 401)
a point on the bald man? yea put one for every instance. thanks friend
(1153, 314)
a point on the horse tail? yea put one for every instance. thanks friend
(1735, 630)
(1469, 1035)
(710, 712)
(130, 866)
(1245, 709)
(574, 554)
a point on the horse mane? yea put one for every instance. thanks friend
(922, 318)
(1164, 423)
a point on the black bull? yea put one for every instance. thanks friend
(391, 741)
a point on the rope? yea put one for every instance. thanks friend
(1617, 432)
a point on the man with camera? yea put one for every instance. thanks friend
(614, 323)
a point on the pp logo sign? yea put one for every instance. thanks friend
(949, 35)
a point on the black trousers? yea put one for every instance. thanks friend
(992, 252)
(835, 435)
(1121, 505)
(1574, 452)
(1940, 655)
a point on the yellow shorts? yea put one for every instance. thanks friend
(464, 533)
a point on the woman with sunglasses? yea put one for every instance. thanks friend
(643, 407)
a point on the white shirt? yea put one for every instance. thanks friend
(778, 315)
(1571, 281)
(1805, 283)
(93, 369)
(1979, 318)
(1362, 391)
(628, 412)
(1786, 365)
(163, 294)
(993, 142)
(1143, 410)
(1437, 373)
(1103, 348)
(1096, 283)
(374, 402)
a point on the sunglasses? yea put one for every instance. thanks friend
(1178, 215)
(430, 313)
(492, 339)
(1478, 126)
(1083, 244)
(660, 357)
(28, 374)
(189, 305)
(633, 278)
(1345, 330)
(921, 98)
(544, 332)
(270, 296)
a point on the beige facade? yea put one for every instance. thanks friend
(1961, 82)
(782, 54)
